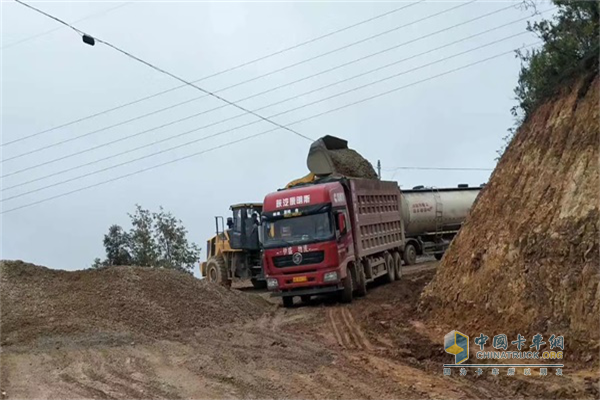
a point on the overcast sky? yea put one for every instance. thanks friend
(50, 77)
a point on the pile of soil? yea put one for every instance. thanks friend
(526, 260)
(39, 302)
(350, 163)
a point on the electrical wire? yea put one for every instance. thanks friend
(244, 64)
(439, 169)
(103, 129)
(163, 71)
(37, 35)
(258, 109)
(269, 130)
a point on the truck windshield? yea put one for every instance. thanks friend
(297, 230)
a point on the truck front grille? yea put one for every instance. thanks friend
(311, 257)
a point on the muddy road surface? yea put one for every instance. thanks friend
(374, 348)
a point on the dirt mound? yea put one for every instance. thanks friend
(526, 260)
(38, 302)
(350, 163)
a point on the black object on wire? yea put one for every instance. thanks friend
(91, 40)
(212, 75)
(68, 140)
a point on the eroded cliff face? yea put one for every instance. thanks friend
(527, 259)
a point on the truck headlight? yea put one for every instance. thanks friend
(272, 283)
(330, 276)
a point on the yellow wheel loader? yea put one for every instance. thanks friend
(235, 252)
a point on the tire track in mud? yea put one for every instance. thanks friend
(346, 331)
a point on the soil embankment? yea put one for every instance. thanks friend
(527, 259)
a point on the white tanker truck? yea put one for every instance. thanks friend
(432, 217)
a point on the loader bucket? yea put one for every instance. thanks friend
(319, 159)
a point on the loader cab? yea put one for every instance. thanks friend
(244, 226)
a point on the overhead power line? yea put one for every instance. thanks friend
(61, 158)
(89, 16)
(263, 107)
(269, 130)
(440, 169)
(244, 64)
(163, 71)
(254, 95)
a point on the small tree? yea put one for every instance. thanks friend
(116, 244)
(155, 240)
(143, 248)
(173, 248)
(570, 48)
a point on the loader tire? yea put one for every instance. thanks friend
(216, 272)
(398, 265)
(410, 255)
(361, 281)
(391, 269)
(346, 293)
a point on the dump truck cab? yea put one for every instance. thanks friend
(307, 240)
(235, 250)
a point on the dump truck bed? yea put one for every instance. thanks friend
(376, 215)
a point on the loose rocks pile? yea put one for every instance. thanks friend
(350, 163)
(38, 302)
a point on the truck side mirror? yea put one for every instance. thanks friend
(229, 222)
(341, 222)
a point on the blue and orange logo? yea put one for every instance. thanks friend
(458, 344)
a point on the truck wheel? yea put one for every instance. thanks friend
(398, 265)
(438, 256)
(346, 293)
(391, 269)
(361, 281)
(259, 284)
(410, 254)
(305, 298)
(216, 271)
(288, 301)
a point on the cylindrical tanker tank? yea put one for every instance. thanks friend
(430, 210)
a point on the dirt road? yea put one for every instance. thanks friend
(373, 348)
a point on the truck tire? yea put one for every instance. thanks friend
(288, 301)
(305, 298)
(410, 254)
(398, 265)
(438, 256)
(391, 269)
(361, 281)
(216, 271)
(346, 293)
(259, 284)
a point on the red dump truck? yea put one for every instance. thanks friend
(332, 237)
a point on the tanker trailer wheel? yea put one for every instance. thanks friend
(410, 254)
(391, 269)
(398, 265)
(216, 272)
(346, 293)
(361, 281)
